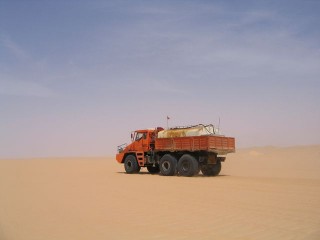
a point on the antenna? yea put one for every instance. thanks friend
(219, 126)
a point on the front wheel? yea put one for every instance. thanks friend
(211, 169)
(131, 164)
(168, 165)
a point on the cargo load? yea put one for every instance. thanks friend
(195, 130)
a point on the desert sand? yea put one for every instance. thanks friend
(261, 193)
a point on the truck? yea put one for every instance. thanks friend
(181, 150)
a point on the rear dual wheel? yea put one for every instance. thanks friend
(188, 166)
(211, 169)
(168, 165)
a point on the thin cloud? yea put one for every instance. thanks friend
(154, 86)
(24, 88)
(14, 48)
(27, 77)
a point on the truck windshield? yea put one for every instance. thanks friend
(139, 136)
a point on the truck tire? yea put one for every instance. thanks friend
(188, 166)
(153, 169)
(211, 169)
(168, 165)
(131, 164)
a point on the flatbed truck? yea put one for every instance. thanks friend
(181, 151)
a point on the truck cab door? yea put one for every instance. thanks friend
(140, 141)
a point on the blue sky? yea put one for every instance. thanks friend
(77, 76)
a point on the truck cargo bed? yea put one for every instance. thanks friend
(212, 143)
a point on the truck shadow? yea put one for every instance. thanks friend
(203, 176)
(156, 174)
(140, 173)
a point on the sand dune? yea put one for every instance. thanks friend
(262, 193)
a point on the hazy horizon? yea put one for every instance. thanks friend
(77, 77)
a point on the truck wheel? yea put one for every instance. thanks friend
(153, 169)
(188, 166)
(131, 164)
(211, 169)
(168, 165)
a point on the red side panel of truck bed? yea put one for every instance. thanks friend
(217, 144)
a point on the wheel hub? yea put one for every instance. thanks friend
(185, 166)
(166, 165)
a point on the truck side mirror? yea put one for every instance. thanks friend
(131, 136)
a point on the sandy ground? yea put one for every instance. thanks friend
(262, 193)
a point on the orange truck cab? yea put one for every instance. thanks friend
(143, 143)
